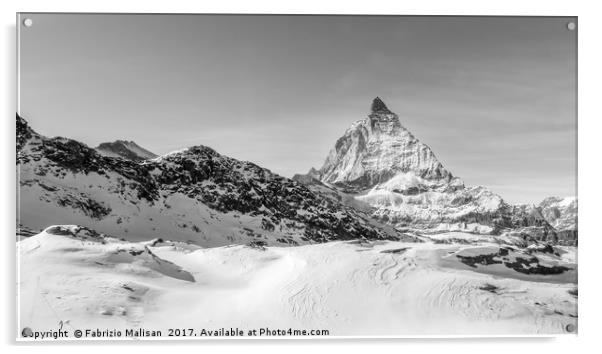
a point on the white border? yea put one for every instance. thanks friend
(18, 175)
(589, 163)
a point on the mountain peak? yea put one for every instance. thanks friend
(378, 106)
(378, 149)
(126, 149)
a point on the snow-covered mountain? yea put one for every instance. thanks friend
(562, 214)
(125, 149)
(114, 243)
(195, 195)
(375, 150)
(379, 162)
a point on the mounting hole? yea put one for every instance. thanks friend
(571, 26)
(28, 22)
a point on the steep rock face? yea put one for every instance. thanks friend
(375, 149)
(126, 149)
(195, 195)
(383, 165)
(526, 220)
(24, 133)
(561, 213)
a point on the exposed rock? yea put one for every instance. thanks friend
(117, 195)
(561, 213)
(126, 149)
(378, 106)
(381, 164)
(376, 149)
(23, 133)
(519, 261)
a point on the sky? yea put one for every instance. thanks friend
(494, 97)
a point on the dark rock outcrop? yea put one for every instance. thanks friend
(126, 149)
(378, 106)
(199, 173)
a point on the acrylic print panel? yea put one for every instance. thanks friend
(197, 176)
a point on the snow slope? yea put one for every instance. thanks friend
(87, 280)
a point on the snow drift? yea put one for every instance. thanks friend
(89, 280)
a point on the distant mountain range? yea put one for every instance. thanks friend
(379, 162)
(378, 182)
(195, 195)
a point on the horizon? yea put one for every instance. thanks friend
(494, 98)
(317, 168)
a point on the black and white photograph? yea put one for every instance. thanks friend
(202, 176)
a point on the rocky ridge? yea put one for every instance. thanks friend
(195, 194)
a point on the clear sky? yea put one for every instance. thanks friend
(495, 98)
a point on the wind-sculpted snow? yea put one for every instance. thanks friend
(90, 280)
(201, 196)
